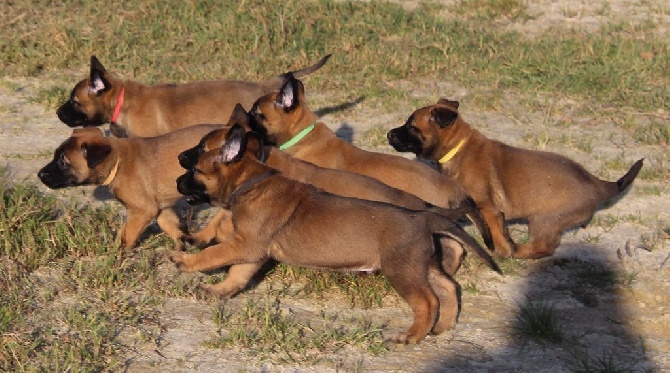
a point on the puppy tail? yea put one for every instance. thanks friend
(469, 209)
(455, 232)
(276, 83)
(614, 188)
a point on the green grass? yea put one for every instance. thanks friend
(266, 329)
(373, 42)
(539, 321)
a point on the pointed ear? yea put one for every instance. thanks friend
(95, 153)
(236, 143)
(451, 103)
(97, 81)
(239, 116)
(287, 98)
(443, 116)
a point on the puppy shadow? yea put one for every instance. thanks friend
(341, 107)
(568, 318)
(102, 193)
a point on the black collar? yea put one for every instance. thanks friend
(248, 184)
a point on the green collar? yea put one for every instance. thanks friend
(297, 137)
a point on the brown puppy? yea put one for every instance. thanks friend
(548, 190)
(330, 180)
(140, 172)
(284, 118)
(138, 110)
(278, 218)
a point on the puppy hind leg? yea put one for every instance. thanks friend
(448, 292)
(544, 233)
(452, 254)
(236, 280)
(412, 285)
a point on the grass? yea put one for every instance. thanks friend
(181, 41)
(268, 330)
(539, 321)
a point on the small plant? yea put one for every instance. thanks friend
(605, 364)
(539, 321)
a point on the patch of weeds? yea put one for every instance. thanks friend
(655, 171)
(374, 137)
(539, 321)
(654, 133)
(362, 290)
(650, 190)
(652, 241)
(511, 266)
(514, 10)
(584, 363)
(470, 287)
(266, 329)
(51, 97)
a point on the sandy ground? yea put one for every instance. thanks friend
(623, 317)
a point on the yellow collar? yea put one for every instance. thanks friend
(447, 157)
(112, 174)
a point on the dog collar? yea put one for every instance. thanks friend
(247, 185)
(297, 137)
(447, 157)
(112, 174)
(117, 108)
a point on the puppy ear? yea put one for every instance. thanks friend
(235, 146)
(287, 98)
(256, 146)
(97, 81)
(239, 116)
(451, 103)
(443, 116)
(95, 153)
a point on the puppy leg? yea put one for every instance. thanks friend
(209, 232)
(504, 246)
(233, 251)
(168, 221)
(412, 284)
(448, 292)
(452, 255)
(544, 233)
(135, 223)
(237, 279)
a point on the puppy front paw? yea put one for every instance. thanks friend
(182, 260)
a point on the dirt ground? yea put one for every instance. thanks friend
(622, 316)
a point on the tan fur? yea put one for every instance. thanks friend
(145, 178)
(279, 218)
(337, 182)
(548, 190)
(151, 110)
(280, 123)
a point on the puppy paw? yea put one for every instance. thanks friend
(405, 338)
(220, 290)
(181, 260)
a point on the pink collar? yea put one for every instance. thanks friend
(117, 108)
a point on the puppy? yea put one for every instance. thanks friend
(140, 172)
(330, 180)
(139, 110)
(548, 190)
(274, 217)
(284, 118)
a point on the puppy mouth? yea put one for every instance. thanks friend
(399, 145)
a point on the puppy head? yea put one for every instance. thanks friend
(215, 139)
(82, 159)
(425, 129)
(274, 114)
(90, 99)
(211, 179)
